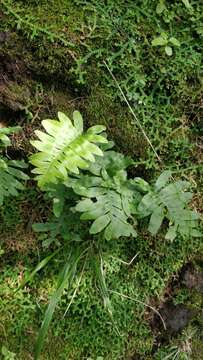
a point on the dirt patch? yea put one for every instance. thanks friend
(22, 241)
(176, 317)
(192, 278)
(11, 69)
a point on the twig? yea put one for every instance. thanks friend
(124, 262)
(140, 302)
(133, 113)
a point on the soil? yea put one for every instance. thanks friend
(176, 317)
(192, 278)
(14, 94)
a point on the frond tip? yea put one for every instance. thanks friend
(65, 148)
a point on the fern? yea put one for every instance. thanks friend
(170, 202)
(10, 178)
(64, 148)
(4, 132)
(109, 198)
(80, 177)
(11, 175)
(64, 224)
(109, 215)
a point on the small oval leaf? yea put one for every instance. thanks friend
(168, 50)
(159, 41)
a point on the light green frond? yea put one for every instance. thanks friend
(64, 148)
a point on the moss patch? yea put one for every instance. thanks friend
(59, 48)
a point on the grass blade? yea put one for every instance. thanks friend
(99, 272)
(39, 266)
(100, 277)
(65, 280)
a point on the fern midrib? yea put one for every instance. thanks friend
(112, 207)
(60, 154)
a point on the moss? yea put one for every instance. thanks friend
(197, 351)
(99, 108)
(161, 91)
(15, 96)
(157, 85)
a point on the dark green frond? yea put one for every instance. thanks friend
(11, 178)
(170, 202)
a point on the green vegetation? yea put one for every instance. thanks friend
(9, 169)
(63, 50)
(105, 195)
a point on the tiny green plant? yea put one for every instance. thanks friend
(7, 355)
(162, 6)
(95, 202)
(11, 174)
(167, 42)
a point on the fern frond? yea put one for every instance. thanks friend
(4, 132)
(65, 148)
(108, 215)
(112, 162)
(170, 202)
(109, 200)
(10, 178)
